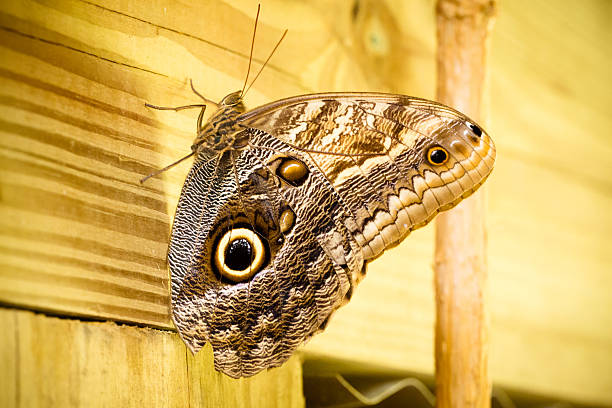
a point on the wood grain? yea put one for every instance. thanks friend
(460, 258)
(54, 362)
(81, 237)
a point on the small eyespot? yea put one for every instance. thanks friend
(437, 155)
(292, 171)
(239, 254)
(286, 220)
(475, 129)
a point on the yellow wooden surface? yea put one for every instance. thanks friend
(81, 237)
(53, 362)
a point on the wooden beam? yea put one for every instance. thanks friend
(49, 361)
(462, 325)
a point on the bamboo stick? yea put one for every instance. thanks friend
(462, 327)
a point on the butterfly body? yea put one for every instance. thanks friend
(220, 133)
(286, 204)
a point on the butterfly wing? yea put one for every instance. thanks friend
(326, 183)
(374, 149)
(258, 322)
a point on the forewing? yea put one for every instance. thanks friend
(373, 149)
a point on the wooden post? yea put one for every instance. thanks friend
(462, 327)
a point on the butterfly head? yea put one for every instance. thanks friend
(232, 100)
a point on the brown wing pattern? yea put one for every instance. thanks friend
(353, 174)
(257, 323)
(373, 148)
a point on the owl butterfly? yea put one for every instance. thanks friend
(286, 204)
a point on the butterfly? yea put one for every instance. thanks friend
(286, 204)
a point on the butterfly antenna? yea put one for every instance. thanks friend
(265, 63)
(251, 53)
(155, 173)
(200, 95)
(175, 108)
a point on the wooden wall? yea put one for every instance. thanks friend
(58, 362)
(82, 238)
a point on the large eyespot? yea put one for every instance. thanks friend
(239, 254)
(437, 155)
(292, 171)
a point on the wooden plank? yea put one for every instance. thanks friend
(81, 237)
(48, 361)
